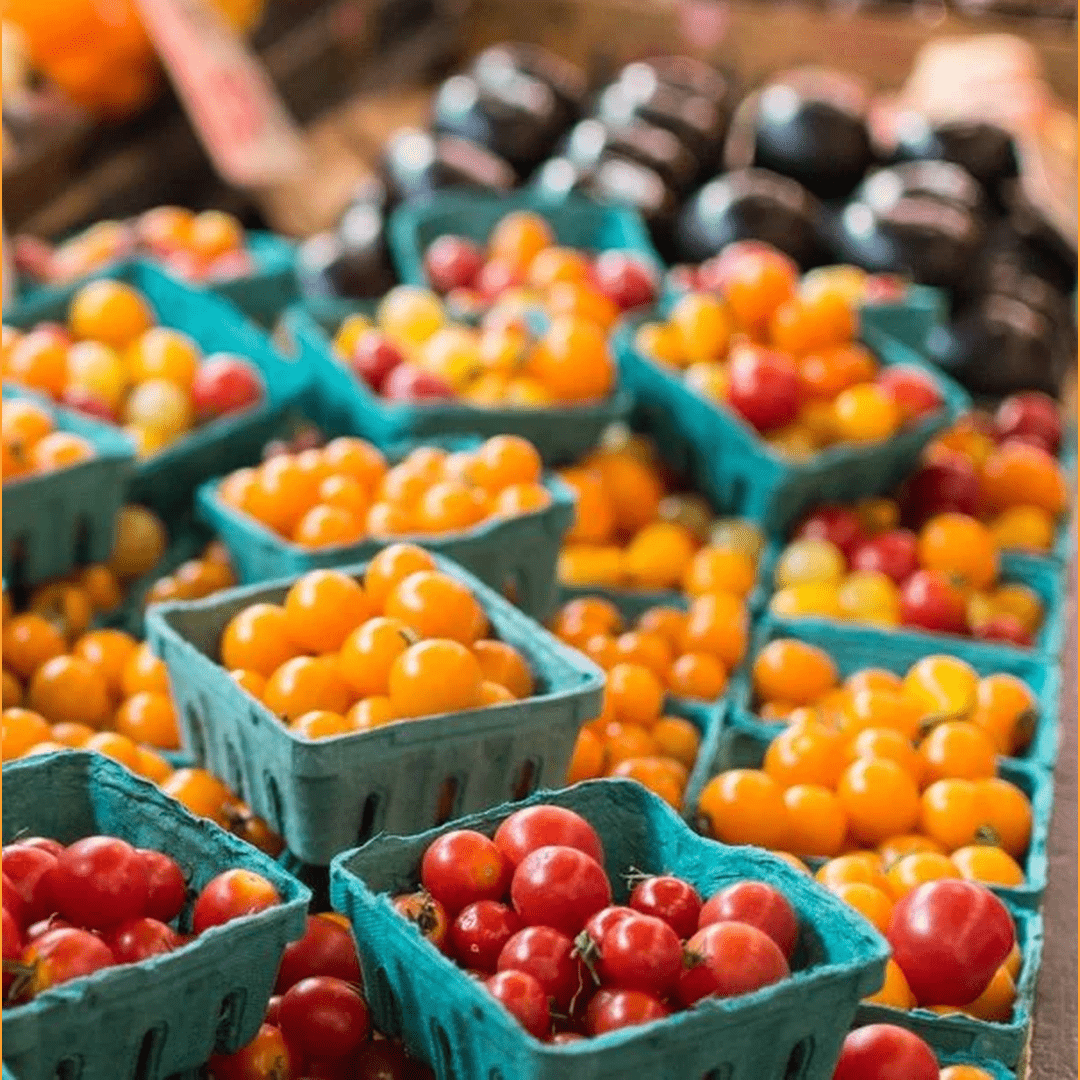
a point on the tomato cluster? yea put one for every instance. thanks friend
(857, 564)
(414, 352)
(342, 655)
(1001, 468)
(529, 912)
(32, 445)
(208, 246)
(782, 354)
(115, 362)
(340, 493)
(523, 260)
(70, 911)
(631, 530)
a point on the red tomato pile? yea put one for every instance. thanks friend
(70, 911)
(530, 913)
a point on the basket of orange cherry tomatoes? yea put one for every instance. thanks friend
(386, 696)
(64, 480)
(194, 384)
(488, 505)
(779, 394)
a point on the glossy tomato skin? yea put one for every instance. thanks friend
(930, 601)
(758, 905)
(53, 847)
(840, 525)
(893, 553)
(98, 882)
(949, 484)
(167, 889)
(1007, 628)
(885, 1052)
(137, 939)
(764, 388)
(610, 1010)
(428, 914)
(949, 938)
(671, 899)
(225, 384)
(914, 391)
(728, 959)
(624, 279)
(596, 926)
(12, 939)
(373, 358)
(324, 1019)
(545, 826)
(479, 933)
(26, 882)
(452, 262)
(327, 948)
(463, 866)
(559, 887)
(640, 953)
(62, 955)
(524, 998)
(1032, 417)
(549, 958)
(231, 895)
(266, 1057)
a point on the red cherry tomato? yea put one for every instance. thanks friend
(327, 948)
(428, 914)
(463, 866)
(885, 1052)
(137, 939)
(624, 279)
(373, 358)
(452, 262)
(1006, 628)
(914, 391)
(266, 1057)
(948, 484)
(559, 887)
(671, 899)
(98, 882)
(479, 933)
(230, 895)
(524, 998)
(166, 884)
(893, 553)
(764, 388)
(273, 1010)
(62, 955)
(640, 953)
(610, 1010)
(727, 959)
(949, 937)
(324, 1019)
(496, 276)
(840, 525)
(11, 937)
(53, 847)
(549, 958)
(407, 382)
(26, 888)
(225, 384)
(928, 599)
(755, 904)
(1032, 417)
(599, 924)
(546, 826)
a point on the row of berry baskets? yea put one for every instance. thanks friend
(328, 796)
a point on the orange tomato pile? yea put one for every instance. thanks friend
(341, 655)
(31, 443)
(345, 491)
(114, 362)
(783, 354)
(631, 531)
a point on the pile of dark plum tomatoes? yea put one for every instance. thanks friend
(529, 912)
(71, 911)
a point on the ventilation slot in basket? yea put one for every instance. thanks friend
(441, 1040)
(232, 1008)
(196, 735)
(446, 807)
(721, 1072)
(234, 770)
(69, 1069)
(390, 1002)
(367, 819)
(798, 1064)
(146, 1066)
(81, 540)
(527, 778)
(273, 796)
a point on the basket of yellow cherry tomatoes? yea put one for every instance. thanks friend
(779, 394)
(64, 480)
(194, 384)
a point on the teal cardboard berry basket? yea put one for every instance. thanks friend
(171, 1012)
(856, 647)
(793, 1028)
(958, 1035)
(342, 403)
(735, 467)
(911, 319)
(742, 744)
(328, 795)
(58, 520)
(166, 480)
(577, 222)
(517, 554)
